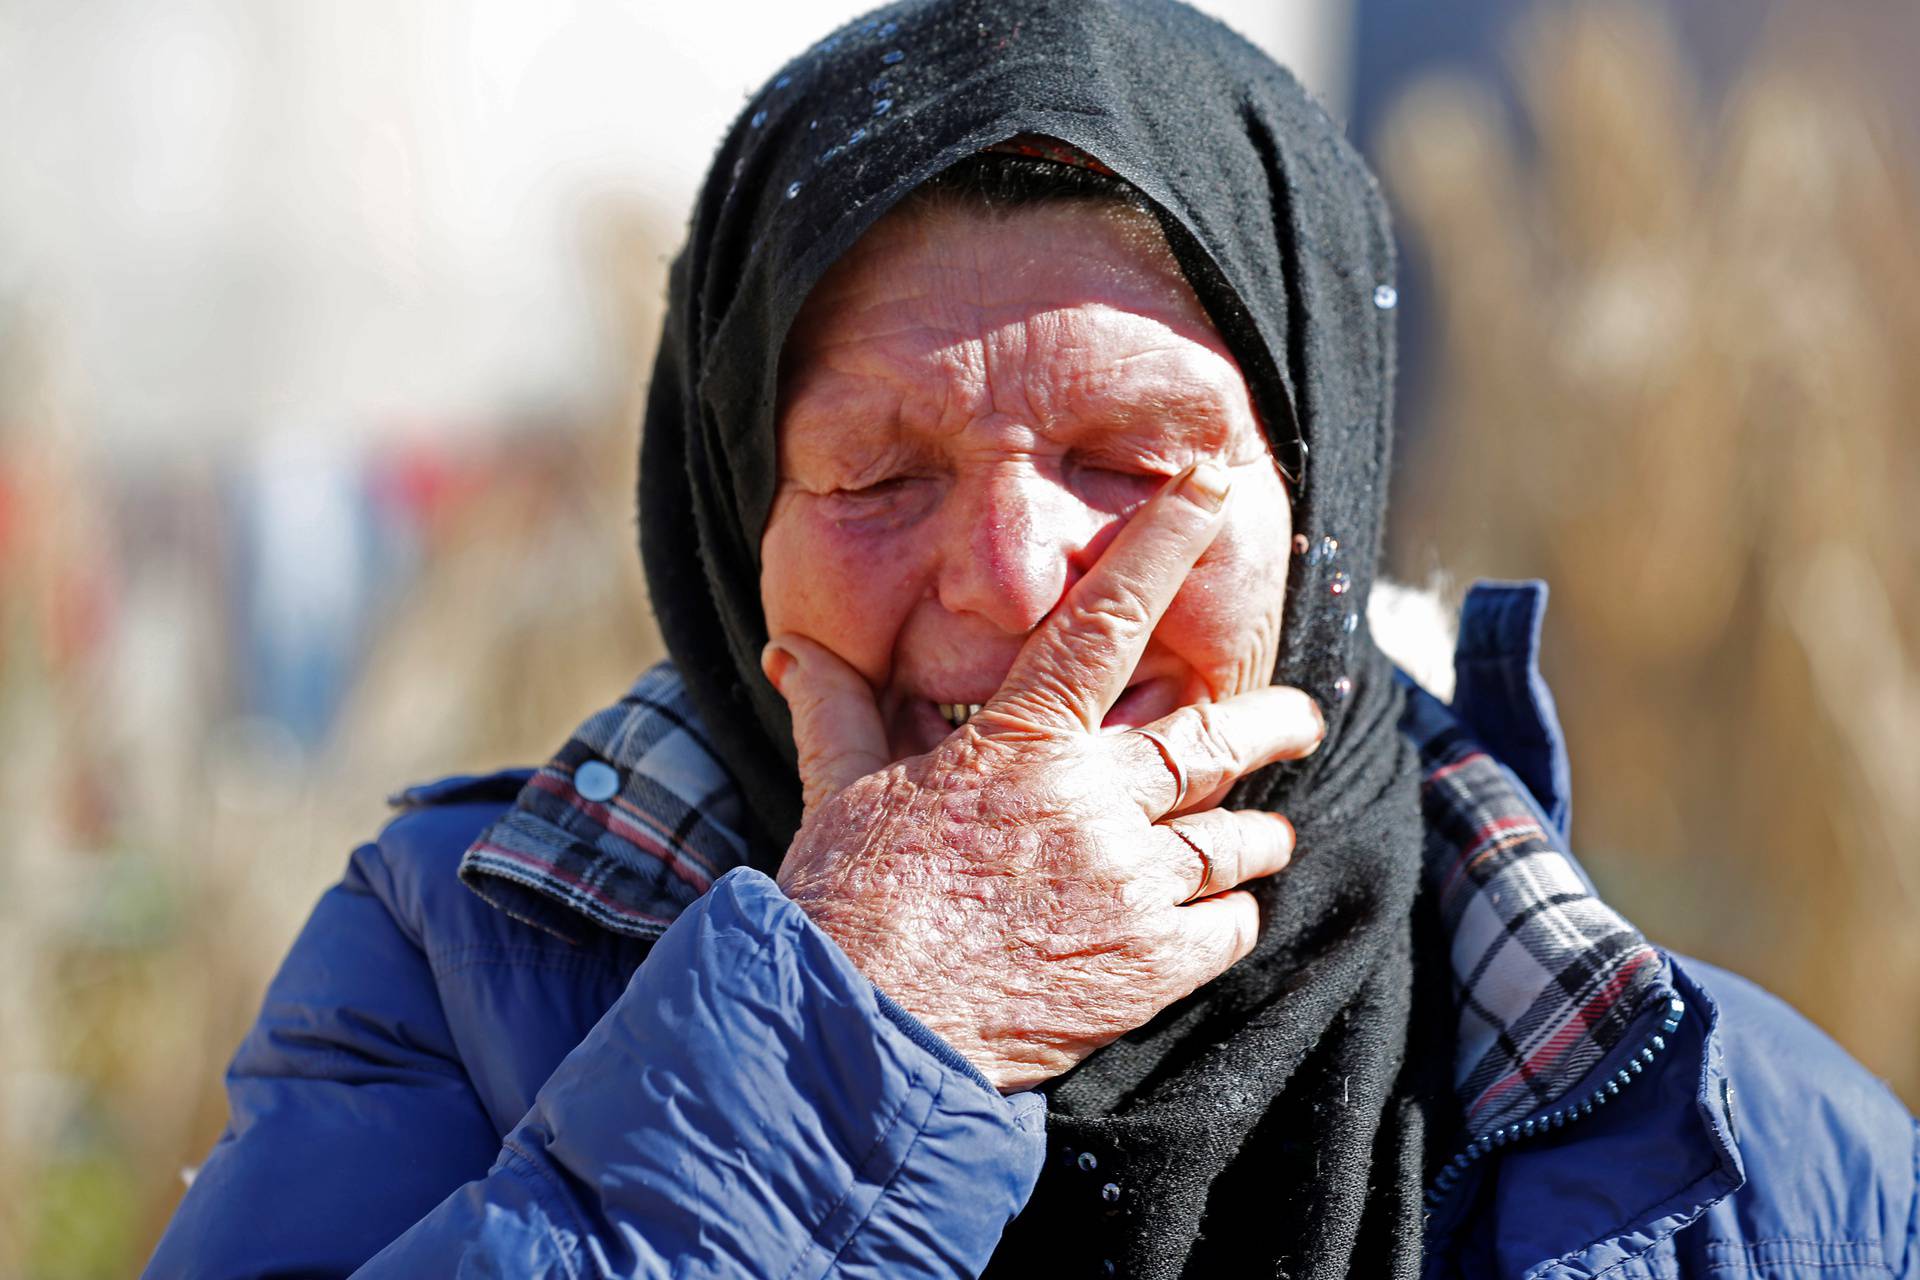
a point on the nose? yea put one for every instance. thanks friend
(1013, 549)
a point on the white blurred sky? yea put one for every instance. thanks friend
(226, 219)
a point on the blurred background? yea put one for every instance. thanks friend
(322, 334)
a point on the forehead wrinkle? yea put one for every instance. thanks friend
(1052, 359)
(868, 368)
(952, 372)
(1206, 397)
(1028, 355)
(960, 333)
(1029, 373)
(1179, 392)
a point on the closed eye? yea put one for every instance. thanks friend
(886, 500)
(1115, 485)
(889, 487)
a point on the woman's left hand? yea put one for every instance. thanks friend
(1033, 888)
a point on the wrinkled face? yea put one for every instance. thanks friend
(972, 406)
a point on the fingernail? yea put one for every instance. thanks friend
(1321, 718)
(1207, 485)
(776, 662)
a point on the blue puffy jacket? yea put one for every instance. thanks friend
(435, 1087)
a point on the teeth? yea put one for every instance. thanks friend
(957, 713)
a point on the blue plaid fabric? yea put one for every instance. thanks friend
(1547, 977)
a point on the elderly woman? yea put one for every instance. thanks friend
(1013, 475)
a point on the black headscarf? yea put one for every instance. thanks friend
(1266, 1122)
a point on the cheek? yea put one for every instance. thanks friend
(1225, 623)
(850, 592)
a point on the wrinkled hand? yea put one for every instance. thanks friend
(1034, 888)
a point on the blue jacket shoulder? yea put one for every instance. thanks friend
(413, 865)
(1828, 1151)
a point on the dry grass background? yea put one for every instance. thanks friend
(161, 854)
(1677, 378)
(1674, 377)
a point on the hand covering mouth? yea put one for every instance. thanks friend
(1138, 704)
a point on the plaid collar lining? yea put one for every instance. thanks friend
(630, 854)
(1547, 977)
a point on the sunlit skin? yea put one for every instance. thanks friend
(972, 406)
(980, 417)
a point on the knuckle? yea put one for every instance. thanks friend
(835, 760)
(816, 754)
(1229, 856)
(1043, 689)
(1211, 732)
(1143, 894)
(1246, 926)
(1113, 608)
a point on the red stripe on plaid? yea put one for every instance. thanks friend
(1446, 771)
(620, 824)
(1516, 828)
(1573, 1029)
(633, 812)
(548, 869)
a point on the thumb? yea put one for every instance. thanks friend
(837, 731)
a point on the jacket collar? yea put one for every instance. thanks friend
(1559, 1000)
(630, 822)
(1547, 978)
(1631, 1085)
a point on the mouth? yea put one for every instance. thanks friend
(1139, 704)
(919, 719)
(956, 713)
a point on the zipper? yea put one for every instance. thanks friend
(1651, 1047)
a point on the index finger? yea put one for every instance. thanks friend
(1078, 661)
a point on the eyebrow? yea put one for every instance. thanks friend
(810, 432)
(1189, 412)
(1195, 409)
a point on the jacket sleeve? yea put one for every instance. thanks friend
(749, 1106)
(1909, 1261)
(349, 1113)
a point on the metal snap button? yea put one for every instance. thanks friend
(596, 780)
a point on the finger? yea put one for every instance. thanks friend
(1078, 661)
(1188, 759)
(1215, 934)
(837, 731)
(1222, 849)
